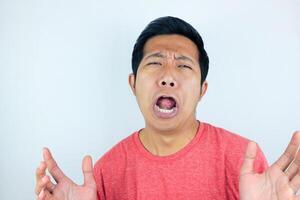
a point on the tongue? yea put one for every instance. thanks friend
(166, 103)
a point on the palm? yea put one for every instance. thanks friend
(262, 186)
(65, 188)
(279, 182)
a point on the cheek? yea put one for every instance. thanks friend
(146, 80)
(192, 91)
(144, 83)
(191, 79)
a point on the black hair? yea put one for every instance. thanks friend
(165, 26)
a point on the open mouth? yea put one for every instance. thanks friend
(165, 107)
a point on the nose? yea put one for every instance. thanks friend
(166, 83)
(168, 76)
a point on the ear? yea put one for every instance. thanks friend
(203, 90)
(131, 81)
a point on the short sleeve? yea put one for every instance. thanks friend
(260, 163)
(235, 159)
(99, 181)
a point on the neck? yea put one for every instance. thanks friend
(163, 143)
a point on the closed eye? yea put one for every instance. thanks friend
(154, 63)
(185, 66)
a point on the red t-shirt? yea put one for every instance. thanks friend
(206, 168)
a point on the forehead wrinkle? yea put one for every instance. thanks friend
(169, 55)
(178, 56)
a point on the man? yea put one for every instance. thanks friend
(175, 156)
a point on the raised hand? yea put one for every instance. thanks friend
(64, 188)
(280, 181)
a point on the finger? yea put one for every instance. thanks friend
(44, 195)
(53, 168)
(41, 184)
(48, 195)
(293, 168)
(87, 169)
(49, 185)
(289, 154)
(45, 182)
(295, 183)
(41, 195)
(40, 171)
(291, 171)
(295, 180)
(248, 164)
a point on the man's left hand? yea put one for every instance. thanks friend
(280, 181)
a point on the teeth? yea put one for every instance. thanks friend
(164, 110)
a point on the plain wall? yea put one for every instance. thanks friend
(64, 69)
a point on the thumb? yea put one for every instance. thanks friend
(248, 164)
(87, 169)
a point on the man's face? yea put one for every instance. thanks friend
(167, 85)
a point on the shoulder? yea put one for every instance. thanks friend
(234, 146)
(225, 137)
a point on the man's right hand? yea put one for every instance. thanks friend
(64, 188)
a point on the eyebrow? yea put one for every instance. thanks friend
(160, 55)
(182, 57)
(156, 55)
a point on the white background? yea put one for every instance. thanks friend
(64, 68)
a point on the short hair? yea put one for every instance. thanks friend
(166, 26)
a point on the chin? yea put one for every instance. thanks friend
(164, 125)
